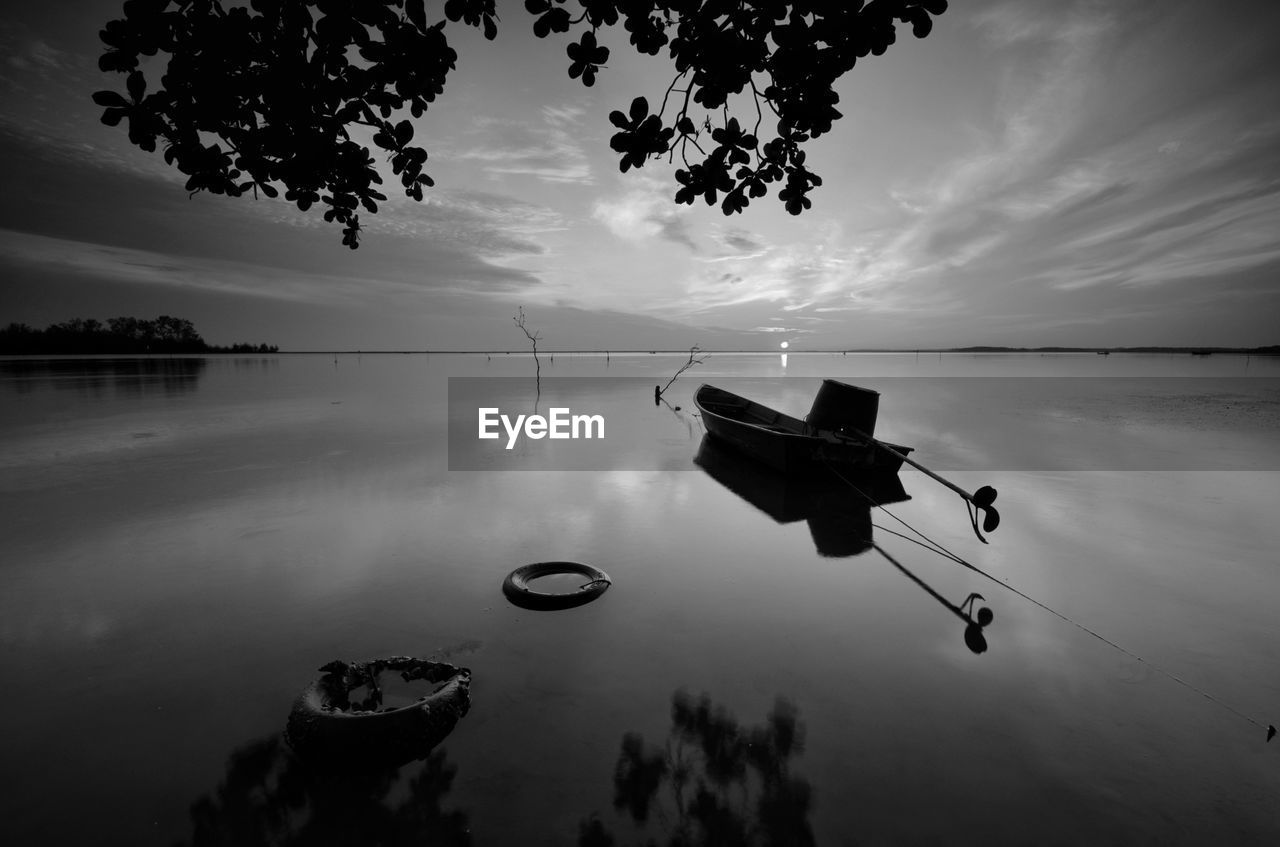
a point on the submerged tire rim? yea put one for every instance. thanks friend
(516, 585)
(323, 729)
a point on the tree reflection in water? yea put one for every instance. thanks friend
(268, 797)
(725, 784)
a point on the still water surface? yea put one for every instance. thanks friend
(186, 541)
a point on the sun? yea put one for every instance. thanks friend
(784, 345)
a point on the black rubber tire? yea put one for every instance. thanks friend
(516, 585)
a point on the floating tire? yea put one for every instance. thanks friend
(324, 727)
(516, 585)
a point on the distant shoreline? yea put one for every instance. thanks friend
(1272, 350)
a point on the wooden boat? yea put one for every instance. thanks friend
(787, 444)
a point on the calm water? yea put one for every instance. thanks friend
(186, 541)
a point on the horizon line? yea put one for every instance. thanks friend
(706, 351)
(1271, 350)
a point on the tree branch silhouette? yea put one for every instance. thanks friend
(533, 339)
(265, 97)
(694, 359)
(727, 783)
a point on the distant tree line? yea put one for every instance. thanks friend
(124, 336)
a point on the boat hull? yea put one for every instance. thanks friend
(784, 443)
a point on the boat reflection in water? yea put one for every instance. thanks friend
(837, 508)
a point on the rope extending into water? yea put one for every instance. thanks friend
(929, 544)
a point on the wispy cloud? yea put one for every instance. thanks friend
(149, 267)
(830, 271)
(451, 270)
(645, 211)
(738, 243)
(563, 115)
(48, 84)
(36, 54)
(488, 224)
(970, 207)
(31, 61)
(1111, 165)
(1067, 193)
(960, 217)
(550, 152)
(789, 330)
(453, 239)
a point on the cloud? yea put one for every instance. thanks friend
(1106, 154)
(490, 225)
(149, 267)
(550, 152)
(455, 239)
(646, 211)
(738, 243)
(1073, 185)
(28, 51)
(830, 271)
(43, 74)
(36, 54)
(790, 330)
(970, 210)
(449, 271)
(563, 115)
(741, 243)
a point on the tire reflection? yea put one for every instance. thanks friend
(269, 797)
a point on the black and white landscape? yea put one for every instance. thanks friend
(233, 449)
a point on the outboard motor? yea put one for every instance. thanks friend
(841, 406)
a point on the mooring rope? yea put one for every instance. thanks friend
(929, 544)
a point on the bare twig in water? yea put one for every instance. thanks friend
(694, 359)
(533, 339)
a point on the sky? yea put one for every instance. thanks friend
(1034, 173)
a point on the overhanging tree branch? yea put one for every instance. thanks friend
(279, 83)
